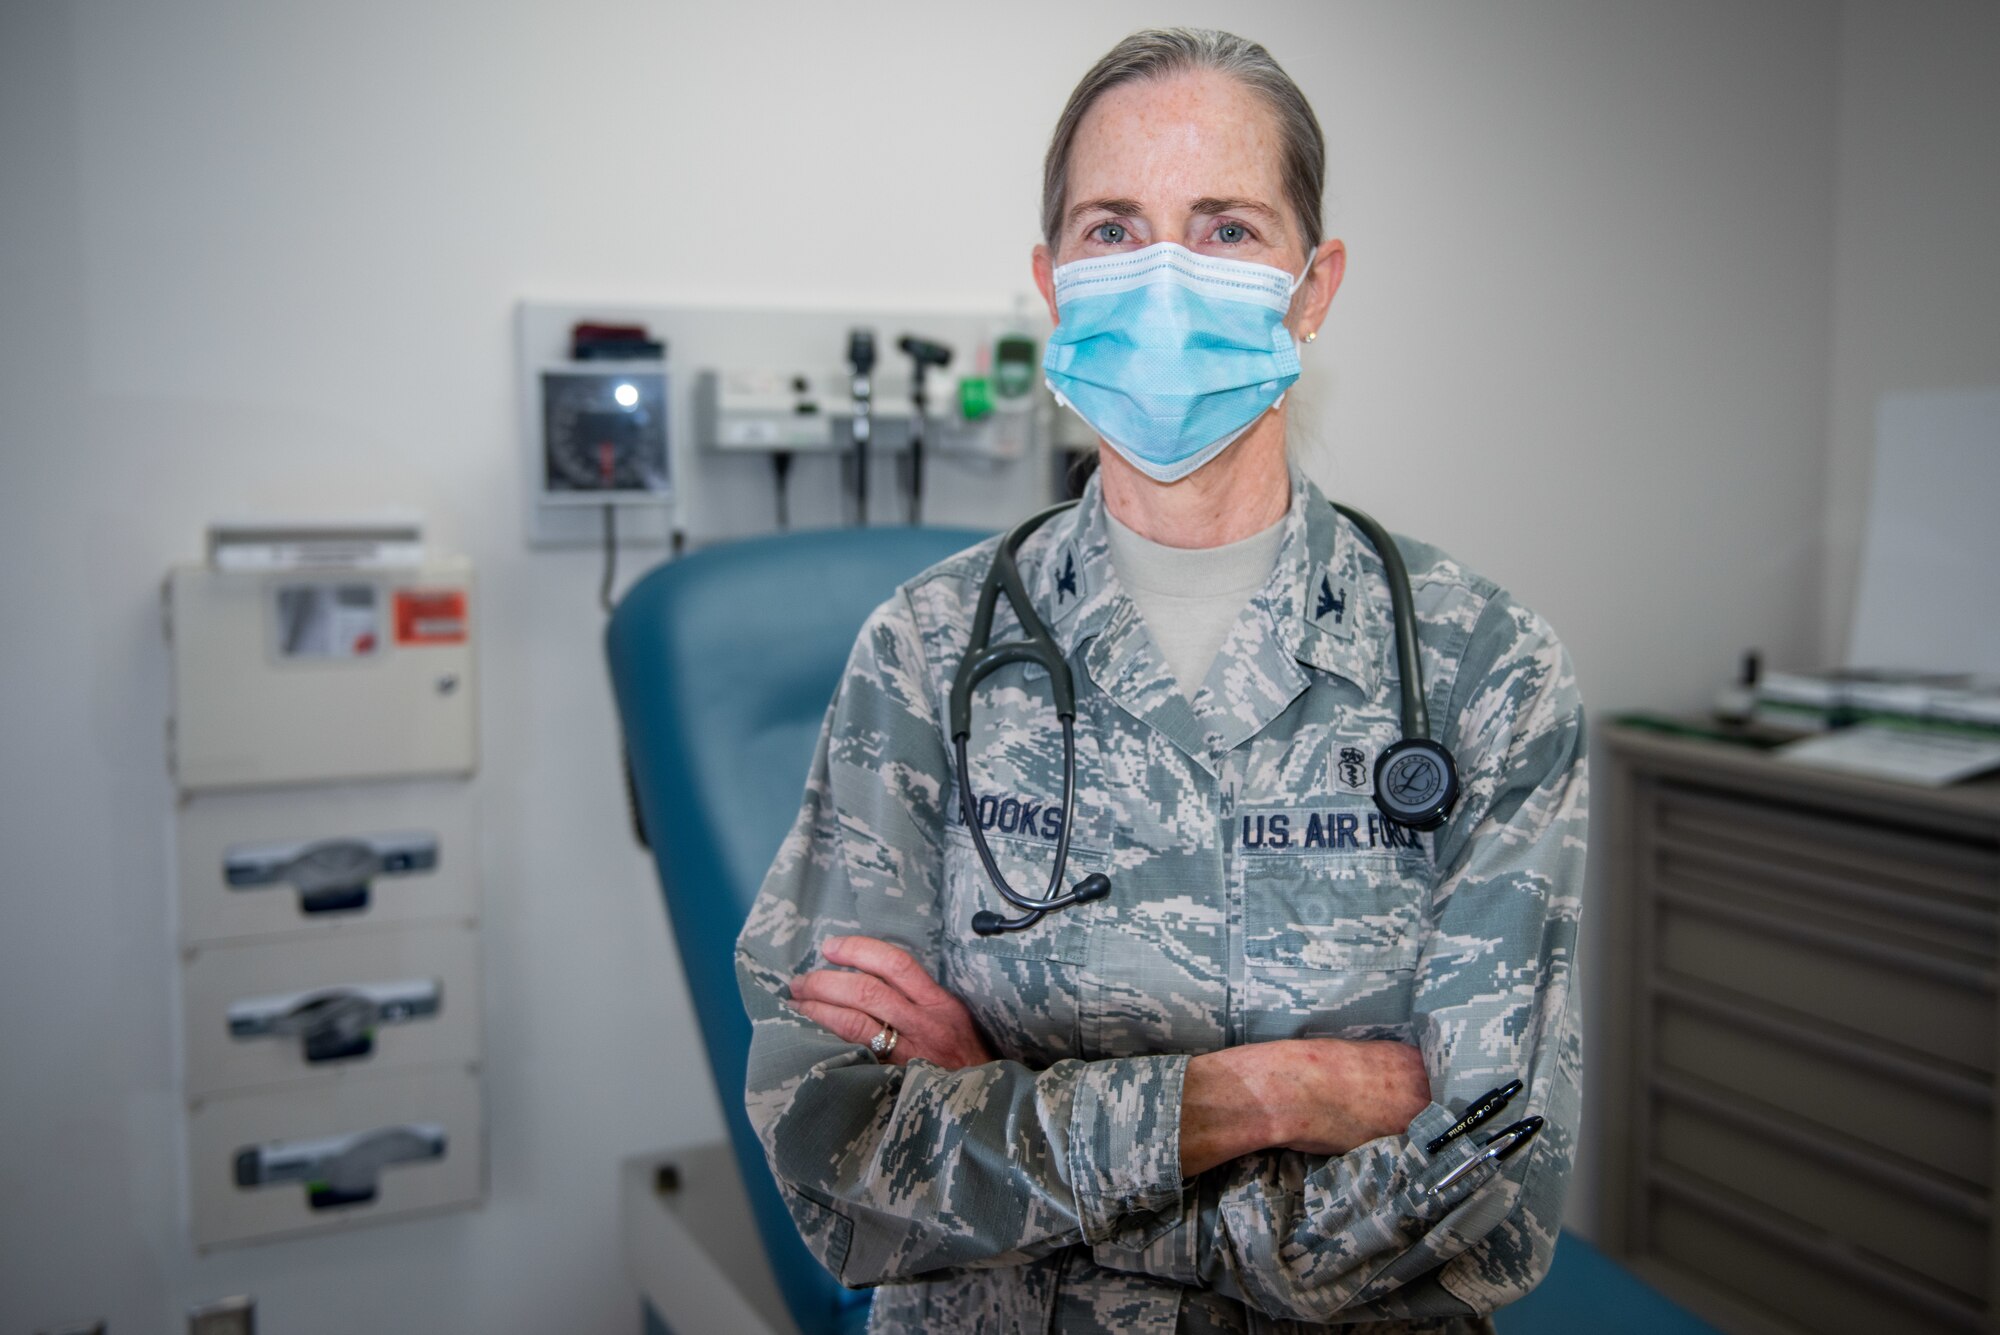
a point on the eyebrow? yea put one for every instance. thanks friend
(1213, 206)
(1208, 205)
(1119, 208)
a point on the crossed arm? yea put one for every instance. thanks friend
(1313, 1095)
(1287, 1174)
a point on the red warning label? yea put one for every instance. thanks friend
(430, 616)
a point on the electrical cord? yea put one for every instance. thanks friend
(781, 468)
(610, 557)
(632, 810)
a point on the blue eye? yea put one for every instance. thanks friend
(1110, 233)
(1230, 233)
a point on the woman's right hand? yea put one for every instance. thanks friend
(878, 984)
(1314, 1095)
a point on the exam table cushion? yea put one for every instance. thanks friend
(723, 663)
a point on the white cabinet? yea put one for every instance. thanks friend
(322, 742)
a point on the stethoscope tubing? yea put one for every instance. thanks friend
(1051, 898)
(1416, 711)
(1037, 648)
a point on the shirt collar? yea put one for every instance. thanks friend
(1316, 609)
(1338, 617)
(1074, 585)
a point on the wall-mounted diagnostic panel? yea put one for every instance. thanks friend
(604, 434)
(597, 420)
(777, 418)
(917, 413)
(761, 409)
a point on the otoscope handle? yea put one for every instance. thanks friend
(861, 350)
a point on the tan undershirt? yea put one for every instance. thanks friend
(1189, 597)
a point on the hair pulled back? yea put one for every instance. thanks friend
(1159, 53)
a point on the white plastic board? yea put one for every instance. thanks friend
(1928, 598)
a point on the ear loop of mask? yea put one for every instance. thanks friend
(1298, 347)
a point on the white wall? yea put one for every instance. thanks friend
(1917, 274)
(262, 257)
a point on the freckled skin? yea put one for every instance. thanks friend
(1166, 144)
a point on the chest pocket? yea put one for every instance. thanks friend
(1062, 936)
(1334, 911)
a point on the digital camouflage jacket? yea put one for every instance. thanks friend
(1257, 895)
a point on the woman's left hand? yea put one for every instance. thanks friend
(882, 984)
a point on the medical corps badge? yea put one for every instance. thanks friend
(1352, 771)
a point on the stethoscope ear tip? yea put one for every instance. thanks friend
(1094, 886)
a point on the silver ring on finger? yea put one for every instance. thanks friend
(884, 1042)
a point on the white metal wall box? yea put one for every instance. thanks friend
(309, 676)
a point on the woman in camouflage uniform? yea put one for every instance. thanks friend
(1203, 1103)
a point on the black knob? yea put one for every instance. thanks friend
(861, 351)
(924, 352)
(1094, 886)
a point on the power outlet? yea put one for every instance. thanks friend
(227, 1316)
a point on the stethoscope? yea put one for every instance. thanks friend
(1416, 781)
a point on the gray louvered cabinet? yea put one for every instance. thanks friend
(1800, 1040)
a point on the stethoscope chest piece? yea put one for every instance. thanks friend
(1416, 783)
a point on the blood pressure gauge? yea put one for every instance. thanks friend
(604, 432)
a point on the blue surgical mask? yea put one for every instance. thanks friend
(1170, 355)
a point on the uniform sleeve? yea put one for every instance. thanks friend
(1363, 1236)
(897, 1171)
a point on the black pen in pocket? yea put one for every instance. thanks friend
(1482, 1110)
(1500, 1145)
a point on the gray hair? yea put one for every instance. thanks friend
(1159, 52)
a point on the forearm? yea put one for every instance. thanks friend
(1378, 1229)
(1318, 1095)
(1311, 1237)
(1230, 1107)
(911, 1169)
(1314, 1236)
